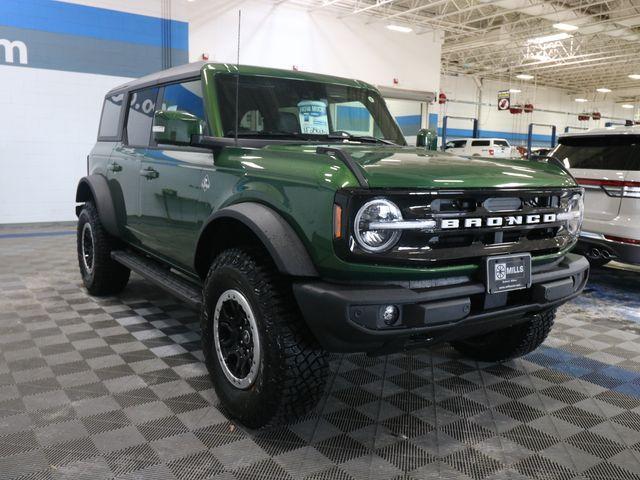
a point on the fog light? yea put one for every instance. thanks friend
(390, 314)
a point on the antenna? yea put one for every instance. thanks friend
(238, 76)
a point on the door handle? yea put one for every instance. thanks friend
(149, 173)
(114, 167)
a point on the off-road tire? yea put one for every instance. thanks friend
(293, 368)
(106, 276)
(508, 343)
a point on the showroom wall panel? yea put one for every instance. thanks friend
(57, 60)
(284, 36)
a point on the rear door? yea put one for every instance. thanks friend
(630, 203)
(600, 164)
(480, 148)
(501, 148)
(124, 166)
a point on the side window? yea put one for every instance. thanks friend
(609, 152)
(110, 116)
(180, 114)
(142, 105)
(501, 143)
(252, 121)
(480, 143)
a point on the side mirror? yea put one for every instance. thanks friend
(176, 127)
(427, 139)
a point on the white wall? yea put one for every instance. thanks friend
(50, 116)
(49, 121)
(283, 36)
(49, 125)
(552, 106)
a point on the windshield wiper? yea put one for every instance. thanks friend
(343, 135)
(270, 134)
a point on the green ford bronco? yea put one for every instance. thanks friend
(288, 208)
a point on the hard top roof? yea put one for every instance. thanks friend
(613, 130)
(190, 70)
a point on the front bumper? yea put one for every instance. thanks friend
(347, 318)
(596, 246)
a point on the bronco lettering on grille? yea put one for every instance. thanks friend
(509, 221)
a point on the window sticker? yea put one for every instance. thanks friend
(313, 117)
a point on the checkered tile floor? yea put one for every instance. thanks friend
(115, 387)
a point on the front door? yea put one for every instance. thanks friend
(173, 181)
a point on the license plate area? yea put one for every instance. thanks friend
(505, 273)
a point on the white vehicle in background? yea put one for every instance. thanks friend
(479, 147)
(606, 162)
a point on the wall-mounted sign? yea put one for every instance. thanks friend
(504, 100)
(52, 35)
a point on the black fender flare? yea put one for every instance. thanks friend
(96, 187)
(279, 238)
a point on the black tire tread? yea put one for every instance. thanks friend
(109, 277)
(304, 367)
(509, 343)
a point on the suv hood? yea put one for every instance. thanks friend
(410, 167)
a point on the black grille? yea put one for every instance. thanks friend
(462, 245)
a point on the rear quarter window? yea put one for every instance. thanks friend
(605, 152)
(110, 119)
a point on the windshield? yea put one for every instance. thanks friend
(272, 107)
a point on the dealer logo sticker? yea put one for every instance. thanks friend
(501, 271)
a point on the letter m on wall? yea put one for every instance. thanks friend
(13, 51)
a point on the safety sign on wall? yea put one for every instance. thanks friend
(504, 100)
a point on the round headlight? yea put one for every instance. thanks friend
(575, 209)
(377, 211)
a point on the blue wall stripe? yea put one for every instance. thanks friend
(408, 120)
(54, 51)
(37, 234)
(409, 124)
(72, 19)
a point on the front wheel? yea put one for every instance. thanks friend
(508, 343)
(264, 363)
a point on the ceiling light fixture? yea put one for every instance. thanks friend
(566, 27)
(603, 90)
(626, 105)
(634, 76)
(581, 100)
(550, 38)
(524, 76)
(400, 28)
(514, 90)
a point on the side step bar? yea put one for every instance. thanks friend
(178, 286)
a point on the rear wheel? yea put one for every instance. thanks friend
(508, 343)
(101, 274)
(264, 363)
